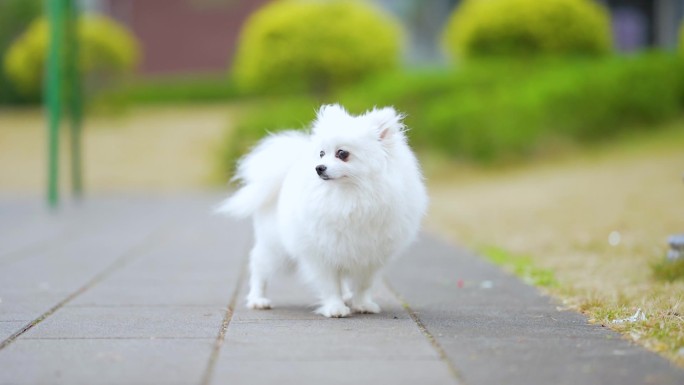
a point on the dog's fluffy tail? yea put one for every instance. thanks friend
(262, 172)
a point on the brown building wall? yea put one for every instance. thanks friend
(184, 36)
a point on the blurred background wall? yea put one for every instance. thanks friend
(182, 36)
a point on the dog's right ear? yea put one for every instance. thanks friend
(386, 122)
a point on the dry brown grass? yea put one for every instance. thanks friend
(561, 214)
(166, 148)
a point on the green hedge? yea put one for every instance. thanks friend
(493, 111)
(303, 45)
(488, 111)
(480, 28)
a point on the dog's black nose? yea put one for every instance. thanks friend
(320, 169)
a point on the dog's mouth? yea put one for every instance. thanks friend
(337, 178)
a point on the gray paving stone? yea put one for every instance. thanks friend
(473, 321)
(511, 334)
(28, 227)
(122, 292)
(397, 372)
(367, 337)
(109, 230)
(70, 266)
(25, 223)
(105, 361)
(282, 311)
(130, 322)
(296, 311)
(199, 266)
(292, 300)
(32, 286)
(291, 345)
(155, 319)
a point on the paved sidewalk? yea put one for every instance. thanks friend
(135, 290)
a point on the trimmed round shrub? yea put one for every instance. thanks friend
(292, 45)
(482, 28)
(106, 48)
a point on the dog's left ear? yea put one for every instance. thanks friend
(386, 121)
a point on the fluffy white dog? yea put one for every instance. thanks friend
(337, 203)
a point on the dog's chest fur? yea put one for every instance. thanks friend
(345, 226)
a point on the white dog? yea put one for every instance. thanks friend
(338, 203)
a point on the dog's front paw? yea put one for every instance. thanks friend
(260, 303)
(334, 310)
(368, 307)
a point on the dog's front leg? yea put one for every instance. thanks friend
(328, 283)
(361, 301)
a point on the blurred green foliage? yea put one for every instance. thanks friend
(480, 28)
(491, 111)
(295, 45)
(186, 89)
(15, 15)
(107, 50)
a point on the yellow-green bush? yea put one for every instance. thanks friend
(314, 45)
(527, 27)
(105, 48)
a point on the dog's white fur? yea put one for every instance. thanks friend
(338, 231)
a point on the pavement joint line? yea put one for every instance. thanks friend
(218, 344)
(424, 330)
(118, 263)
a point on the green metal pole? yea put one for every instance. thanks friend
(75, 96)
(55, 14)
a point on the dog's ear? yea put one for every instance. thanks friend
(386, 122)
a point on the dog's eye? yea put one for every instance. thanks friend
(322, 154)
(343, 155)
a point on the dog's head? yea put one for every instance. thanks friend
(354, 148)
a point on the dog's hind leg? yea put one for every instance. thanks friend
(260, 270)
